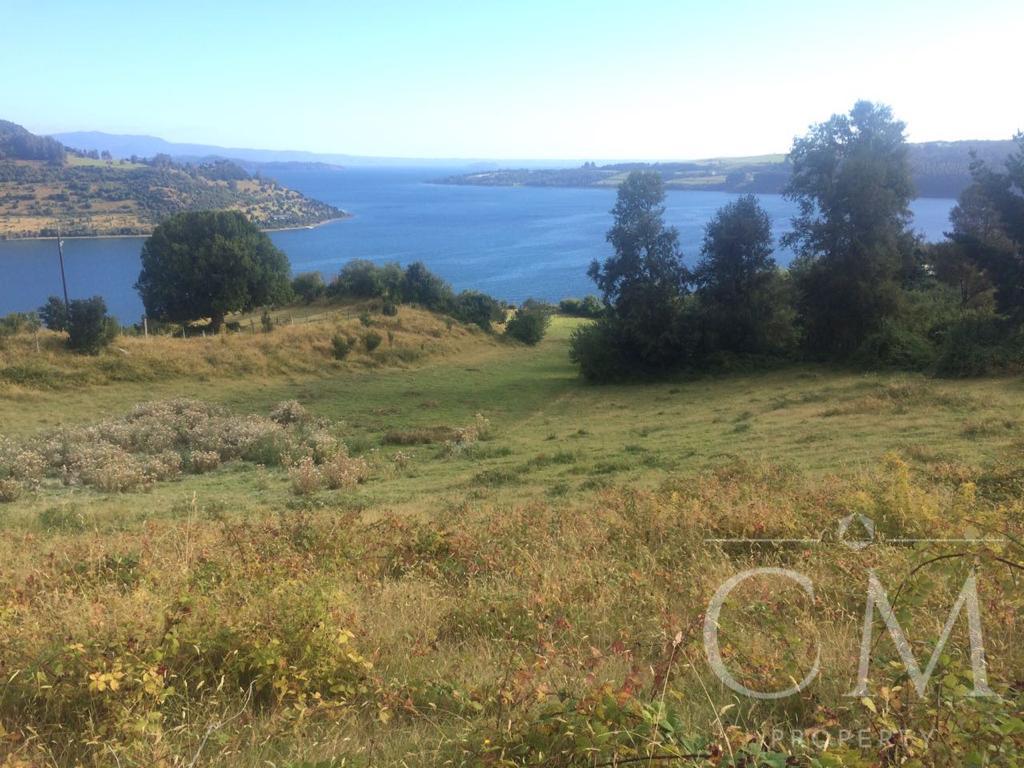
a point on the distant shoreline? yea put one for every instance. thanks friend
(150, 232)
(669, 187)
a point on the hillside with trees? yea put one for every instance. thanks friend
(938, 169)
(43, 183)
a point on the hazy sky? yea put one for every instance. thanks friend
(526, 79)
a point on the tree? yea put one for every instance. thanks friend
(738, 284)
(89, 327)
(421, 286)
(852, 182)
(952, 266)
(54, 314)
(362, 279)
(988, 224)
(588, 306)
(477, 308)
(309, 286)
(207, 264)
(530, 322)
(644, 281)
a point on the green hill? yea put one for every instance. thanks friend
(43, 183)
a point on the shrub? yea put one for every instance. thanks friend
(530, 322)
(589, 306)
(204, 461)
(344, 471)
(268, 449)
(66, 518)
(267, 322)
(305, 477)
(896, 346)
(389, 309)
(467, 437)
(978, 345)
(21, 463)
(478, 309)
(19, 322)
(54, 314)
(309, 286)
(10, 489)
(89, 327)
(289, 412)
(340, 346)
(595, 349)
(419, 436)
(372, 340)
(164, 466)
(362, 279)
(420, 286)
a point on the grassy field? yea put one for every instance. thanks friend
(503, 565)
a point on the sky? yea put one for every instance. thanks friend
(540, 79)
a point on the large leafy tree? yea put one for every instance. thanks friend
(988, 225)
(852, 183)
(207, 264)
(644, 281)
(740, 288)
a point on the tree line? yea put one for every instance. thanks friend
(863, 289)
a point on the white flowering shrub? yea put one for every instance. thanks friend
(156, 442)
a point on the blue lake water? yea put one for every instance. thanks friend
(513, 243)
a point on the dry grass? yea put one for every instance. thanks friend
(300, 349)
(528, 591)
(383, 640)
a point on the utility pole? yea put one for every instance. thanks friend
(63, 277)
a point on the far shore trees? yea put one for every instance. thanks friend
(207, 264)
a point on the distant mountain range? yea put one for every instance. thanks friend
(125, 146)
(941, 168)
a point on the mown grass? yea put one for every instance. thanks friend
(522, 576)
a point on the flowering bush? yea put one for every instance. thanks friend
(205, 461)
(164, 466)
(466, 437)
(10, 490)
(305, 477)
(21, 464)
(104, 466)
(155, 441)
(343, 471)
(289, 412)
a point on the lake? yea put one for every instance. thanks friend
(511, 242)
